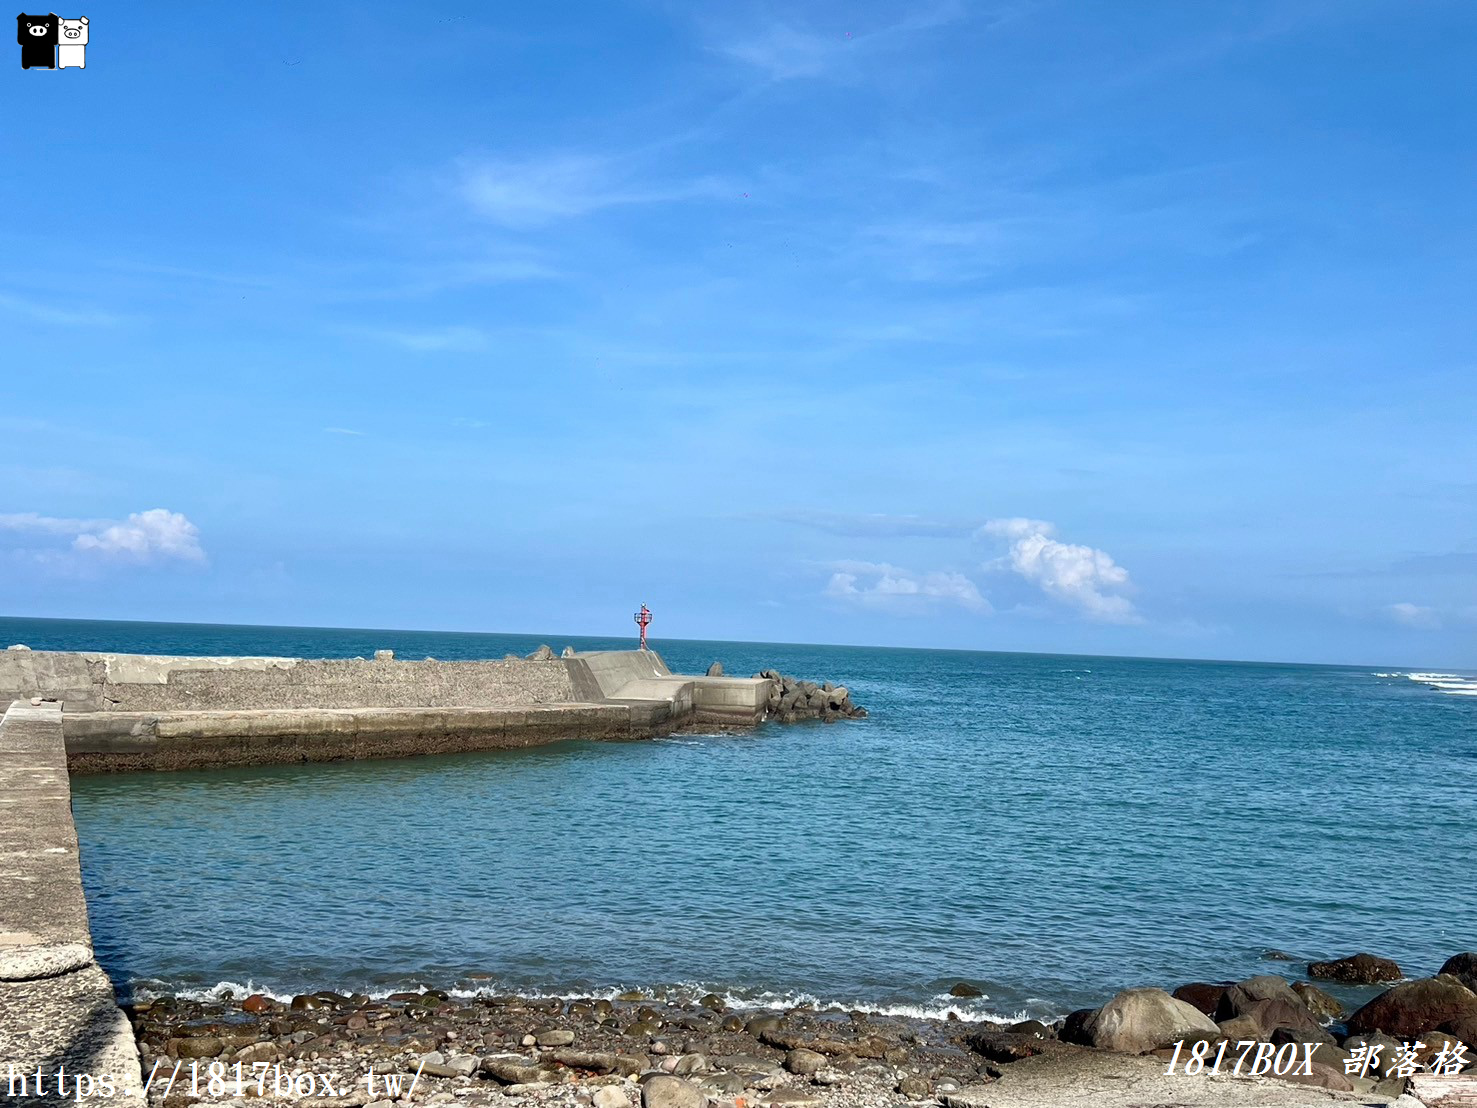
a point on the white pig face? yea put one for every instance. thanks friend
(74, 32)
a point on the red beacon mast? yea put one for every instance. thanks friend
(643, 621)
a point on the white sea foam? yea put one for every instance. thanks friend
(1454, 684)
(941, 1007)
(153, 990)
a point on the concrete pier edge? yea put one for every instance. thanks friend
(59, 1019)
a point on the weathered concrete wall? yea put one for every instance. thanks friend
(610, 671)
(57, 1010)
(140, 683)
(117, 741)
(732, 701)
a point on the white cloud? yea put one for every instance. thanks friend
(155, 535)
(539, 191)
(46, 525)
(1415, 615)
(874, 524)
(343, 431)
(783, 51)
(60, 317)
(1080, 576)
(432, 340)
(878, 584)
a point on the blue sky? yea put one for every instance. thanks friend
(1139, 328)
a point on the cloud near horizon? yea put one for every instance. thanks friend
(881, 585)
(1081, 577)
(1415, 615)
(155, 535)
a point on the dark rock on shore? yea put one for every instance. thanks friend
(1199, 994)
(1012, 1046)
(1416, 1006)
(1240, 997)
(1266, 1008)
(1357, 969)
(1464, 1028)
(792, 699)
(1463, 967)
(1320, 1003)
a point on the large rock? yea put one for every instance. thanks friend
(1200, 995)
(600, 1061)
(544, 653)
(663, 1091)
(1320, 1003)
(1464, 968)
(1074, 1026)
(1357, 969)
(804, 1063)
(1238, 1028)
(1321, 1077)
(1012, 1046)
(1464, 1028)
(1415, 1006)
(1242, 995)
(715, 670)
(1281, 1015)
(1139, 1020)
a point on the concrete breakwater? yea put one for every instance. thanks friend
(133, 712)
(59, 1024)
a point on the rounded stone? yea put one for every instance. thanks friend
(1357, 969)
(914, 1088)
(804, 1063)
(665, 1091)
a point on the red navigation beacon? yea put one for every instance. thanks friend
(643, 621)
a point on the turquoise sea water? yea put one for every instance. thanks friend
(1052, 828)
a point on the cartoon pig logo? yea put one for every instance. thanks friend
(71, 51)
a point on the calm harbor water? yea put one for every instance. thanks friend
(1052, 828)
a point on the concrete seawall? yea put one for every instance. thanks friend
(136, 712)
(58, 1018)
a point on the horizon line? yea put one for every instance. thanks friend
(735, 642)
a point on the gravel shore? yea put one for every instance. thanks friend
(330, 1050)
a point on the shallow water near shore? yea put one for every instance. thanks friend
(1050, 828)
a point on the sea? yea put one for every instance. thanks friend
(1046, 828)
